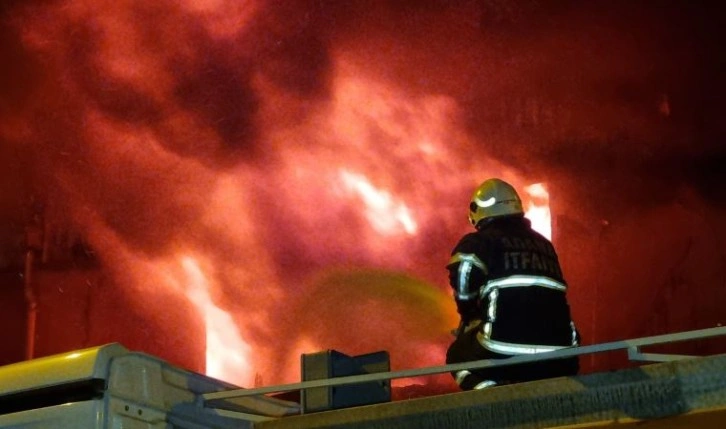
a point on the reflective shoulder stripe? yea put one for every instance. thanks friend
(466, 261)
(523, 281)
(462, 291)
(514, 348)
(468, 257)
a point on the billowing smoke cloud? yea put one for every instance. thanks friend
(236, 150)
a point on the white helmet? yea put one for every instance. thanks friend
(494, 198)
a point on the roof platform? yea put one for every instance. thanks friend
(679, 394)
(676, 392)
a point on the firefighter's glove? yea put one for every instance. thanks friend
(472, 325)
(463, 329)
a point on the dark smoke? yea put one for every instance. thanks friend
(605, 64)
(617, 105)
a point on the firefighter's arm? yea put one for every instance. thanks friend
(466, 274)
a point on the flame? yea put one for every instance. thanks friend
(537, 209)
(227, 352)
(386, 215)
(203, 156)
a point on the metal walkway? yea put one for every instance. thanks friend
(683, 387)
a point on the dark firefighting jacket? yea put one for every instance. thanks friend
(508, 275)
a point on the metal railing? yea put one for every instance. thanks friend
(632, 346)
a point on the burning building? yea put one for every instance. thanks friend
(229, 184)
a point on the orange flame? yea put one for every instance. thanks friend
(386, 215)
(227, 352)
(369, 175)
(537, 209)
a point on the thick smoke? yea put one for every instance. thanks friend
(193, 84)
(268, 140)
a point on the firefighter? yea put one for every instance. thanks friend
(510, 294)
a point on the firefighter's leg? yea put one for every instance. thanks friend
(472, 381)
(545, 369)
(465, 349)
